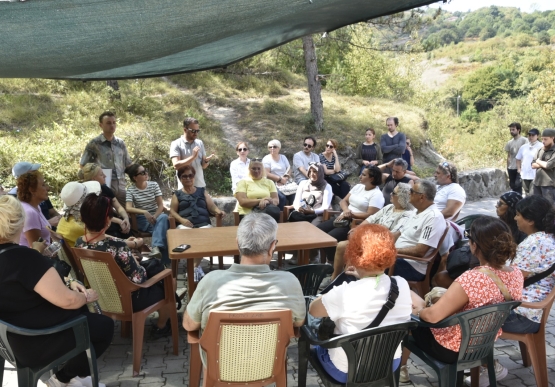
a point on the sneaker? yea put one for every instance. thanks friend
(199, 273)
(157, 333)
(500, 373)
(404, 375)
(155, 253)
(87, 382)
(54, 382)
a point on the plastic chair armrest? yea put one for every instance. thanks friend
(328, 213)
(446, 322)
(425, 259)
(193, 337)
(171, 219)
(313, 340)
(151, 281)
(535, 305)
(47, 331)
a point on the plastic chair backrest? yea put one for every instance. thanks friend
(248, 346)
(104, 275)
(311, 276)
(467, 220)
(371, 351)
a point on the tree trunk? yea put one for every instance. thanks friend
(115, 88)
(314, 86)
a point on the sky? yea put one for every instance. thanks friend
(525, 6)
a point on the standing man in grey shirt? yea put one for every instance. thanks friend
(544, 164)
(189, 150)
(393, 143)
(512, 147)
(110, 153)
(303, 158)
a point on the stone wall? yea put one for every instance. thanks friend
(484, 183)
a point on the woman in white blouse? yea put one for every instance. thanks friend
(277, 169)
(239, 168)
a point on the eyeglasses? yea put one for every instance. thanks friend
(256, 160)
(187, 176)
(329, 146)
(446, 165)
(272, 147)
(194, 131)
(307, 145)
(142, 173)
(242, 149)
(416, 192)
(256, 169)
(500, 204)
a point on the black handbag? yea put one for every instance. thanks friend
(296, 216)
(270, 209)
(460, 260)
(338, 177)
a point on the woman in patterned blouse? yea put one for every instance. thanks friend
(490, 240)
(535, 217)
(96, 213)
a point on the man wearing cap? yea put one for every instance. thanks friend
(189, 150)
(110, 153)
(46, 207)
(524, 158)
(303, 158)
(512, 147)
(544, 164)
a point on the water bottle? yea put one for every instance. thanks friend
(52, 249)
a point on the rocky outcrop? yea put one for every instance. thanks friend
(483, 183)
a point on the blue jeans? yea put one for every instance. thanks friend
(517, 323)
(331, 369)
(159, 233)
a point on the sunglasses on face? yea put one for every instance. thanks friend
(500, 204)
(272, 147)
(307, 145)
(256, 160)
(194, 131)
(416, 192)
(142, 173)
(187, 176)
(329, 146)
(467, 234)
(394, 193)
(242, 149)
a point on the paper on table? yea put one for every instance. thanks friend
(108, 173)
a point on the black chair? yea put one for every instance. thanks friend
(479, 328)
(28, 377)
(311, 276)
(369, 352)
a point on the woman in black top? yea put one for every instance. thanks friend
(33, 296)
(330, 160)
(368, 152)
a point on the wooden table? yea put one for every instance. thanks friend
(219, 241)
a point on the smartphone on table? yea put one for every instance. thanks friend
(181, 248)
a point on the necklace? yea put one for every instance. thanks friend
(93, 236)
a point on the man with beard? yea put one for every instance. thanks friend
(512, 147)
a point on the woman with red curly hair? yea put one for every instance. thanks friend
(354, 305)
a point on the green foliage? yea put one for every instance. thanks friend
(488, 84)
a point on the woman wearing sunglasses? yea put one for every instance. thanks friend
(144, 198)
(491, 242)
(192, 206)
(239, 168)
(330, 160)
(277, 169)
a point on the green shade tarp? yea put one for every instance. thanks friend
(117, 39)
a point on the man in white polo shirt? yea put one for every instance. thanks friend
(524, 157)
(420, 233)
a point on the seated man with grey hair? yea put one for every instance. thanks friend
(420, 233)
(250, 285)
(399, 174)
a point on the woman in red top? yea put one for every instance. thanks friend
(491, 241)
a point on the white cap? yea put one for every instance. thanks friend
(74, 191)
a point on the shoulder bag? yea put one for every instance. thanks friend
(338, 177)
(538, 276)
(502, 287)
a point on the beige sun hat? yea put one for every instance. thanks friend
(74, 191)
